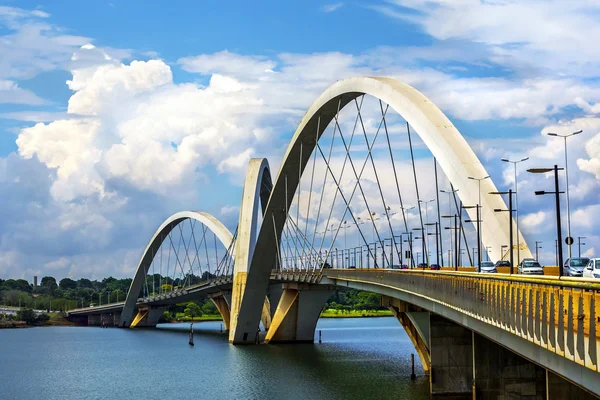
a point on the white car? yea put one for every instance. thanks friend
(592, 269)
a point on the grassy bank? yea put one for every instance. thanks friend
(331, 313)
(207, 317)
(57, 319)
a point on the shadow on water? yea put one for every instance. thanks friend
(358, 359)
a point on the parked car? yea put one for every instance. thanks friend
(530, 268)
(502, 263)
(435, 267)
(592, 270)
(488, 267)
(575, 266)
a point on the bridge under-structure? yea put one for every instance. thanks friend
(477, 335)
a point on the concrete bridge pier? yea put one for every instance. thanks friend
(451, 375)
(297, 312)
(147, 317)
(222, 301)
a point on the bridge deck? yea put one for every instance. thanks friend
(560, 315)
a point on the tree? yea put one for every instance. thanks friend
(27, 315)
(49, 285)
(85, 283)
(43, 318)
(192, 310)
(67, 283)
(209, 308)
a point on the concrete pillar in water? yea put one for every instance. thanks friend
(502, 374)
(94, 320)
(451, 374)
(297, 313)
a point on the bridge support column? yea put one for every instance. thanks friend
(222, 305)
(416, 324)
(266, 314)
(451, 375)
(500, 373)
(559, 388)
(148, 317)
(297, 313)
(94, 320)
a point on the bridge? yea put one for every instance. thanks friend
(348, 171)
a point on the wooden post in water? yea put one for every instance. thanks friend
(412, 362)
(319, 336)
(191, 342)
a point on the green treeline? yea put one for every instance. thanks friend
(68, 294)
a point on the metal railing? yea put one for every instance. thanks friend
(561, 315)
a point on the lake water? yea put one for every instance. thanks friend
(360, 358)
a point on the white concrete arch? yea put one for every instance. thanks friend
(213, 224)
(454, 155)
(257, 190)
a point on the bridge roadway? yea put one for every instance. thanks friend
(551, 323)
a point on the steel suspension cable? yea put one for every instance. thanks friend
(400, 257)
(423, 233)
(370, 155)
(312, 175)
(346, 157)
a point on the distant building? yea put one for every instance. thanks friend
(34, 282)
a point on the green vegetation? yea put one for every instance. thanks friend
(68, 294)
(335, 313)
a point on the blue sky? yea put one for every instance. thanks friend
(115, 114)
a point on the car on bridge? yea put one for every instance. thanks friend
(575, 266)
(503, 263)
(529, 266)
(488, 267)
(435, 267)
(592, 270)
(398, 266)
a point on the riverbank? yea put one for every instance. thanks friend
(56, 319)
(332, 313)
(327, 313)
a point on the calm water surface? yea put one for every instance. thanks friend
(360, 358)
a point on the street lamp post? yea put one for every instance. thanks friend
(567, 178)
(515, 162)
(450, 193)
(478, 223)
(437, 250)
(510, 225)
(480, 211)
(537, 246)
(579, 244)
(455, 216)
(557, 193)
(426, 257)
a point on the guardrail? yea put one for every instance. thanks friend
(561, 315)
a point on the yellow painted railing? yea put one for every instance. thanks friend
(558, 314)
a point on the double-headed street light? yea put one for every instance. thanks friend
(510, 225)
(537, 246)
(478, 223)
(515, 162)
(455, 216)
(579, 238)
(437, 250)
(567, 178)
(556, 194)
